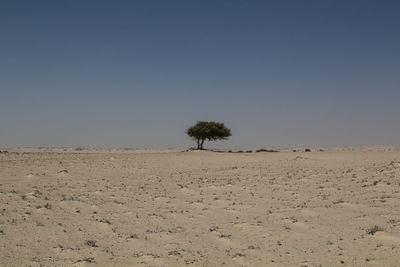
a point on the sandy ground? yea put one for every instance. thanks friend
(124, 208)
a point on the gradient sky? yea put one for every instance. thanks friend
(137, 73)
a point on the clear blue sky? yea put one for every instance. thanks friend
(138, 73)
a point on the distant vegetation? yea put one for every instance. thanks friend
(266, 150)
(208, 130)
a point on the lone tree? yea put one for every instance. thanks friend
(208, 130)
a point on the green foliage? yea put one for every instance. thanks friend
(208, 130)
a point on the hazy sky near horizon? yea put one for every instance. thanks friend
(138, 73)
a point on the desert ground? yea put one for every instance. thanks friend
(66, 207)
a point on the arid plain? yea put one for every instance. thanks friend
(174, 208)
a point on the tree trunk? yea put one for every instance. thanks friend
(198, 144)
(201, 144)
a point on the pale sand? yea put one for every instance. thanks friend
(171, 208)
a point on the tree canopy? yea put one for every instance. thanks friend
(208, 130)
